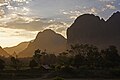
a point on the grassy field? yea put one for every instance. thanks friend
(37, 74)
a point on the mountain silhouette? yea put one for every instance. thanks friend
(47, 40)
(3, 52)
(18, 48)
(91, 29)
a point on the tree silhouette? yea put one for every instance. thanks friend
(33, 64)
(37, 55)
(85, 54)
(16, 64)
(2, 64)
(64, 59)
(94, 58)
(111, 57)
(78, 61)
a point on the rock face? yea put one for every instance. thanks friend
(47, 40)
(20, 47)
(3, 52)
(90, 29)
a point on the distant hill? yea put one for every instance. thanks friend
(3, 52)
(47, 40)
(91, 29)
(20, 47)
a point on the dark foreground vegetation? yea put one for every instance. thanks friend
(80, 61)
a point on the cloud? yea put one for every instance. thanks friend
(8, 7)
(102, 8)
(110, 6)
(8, 32)
(19, 30)
(93, 10)
(14, 10)
(73, 14)
(31, 25)
(106, 0)
(1, 1)
(16, 16)
(24, 33)
(36, 24)
(59, 28)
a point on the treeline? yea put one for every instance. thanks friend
(78, 56)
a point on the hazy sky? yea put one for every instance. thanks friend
(21, 20)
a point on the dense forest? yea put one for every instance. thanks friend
(80, 59)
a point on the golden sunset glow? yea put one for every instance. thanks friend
(29, 16)
(11, 37)
(59, 39)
